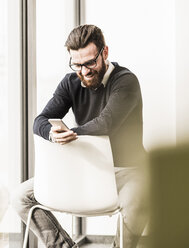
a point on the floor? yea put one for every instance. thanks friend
(106, 242)
(95, 241)
(4, 240)
(95, 246)
(90, 242)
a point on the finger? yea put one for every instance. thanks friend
(63, 134)
(66, 139)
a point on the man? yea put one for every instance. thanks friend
(106, 100)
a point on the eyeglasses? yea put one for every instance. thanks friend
(89, 64)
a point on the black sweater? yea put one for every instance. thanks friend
(114, 110)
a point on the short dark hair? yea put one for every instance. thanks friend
(82, 35)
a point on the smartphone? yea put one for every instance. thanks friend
(60, 123)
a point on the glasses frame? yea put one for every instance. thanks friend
(81, 65)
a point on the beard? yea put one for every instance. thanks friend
(95, 82)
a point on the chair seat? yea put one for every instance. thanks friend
(93, 213)
(96, 213)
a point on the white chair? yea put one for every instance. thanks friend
(83, 172)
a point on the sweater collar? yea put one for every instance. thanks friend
(106, 75)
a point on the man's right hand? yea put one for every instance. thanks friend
(62, 137)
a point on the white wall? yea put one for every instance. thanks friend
(141, 36)
(182, 69)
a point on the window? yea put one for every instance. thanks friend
(10, 118)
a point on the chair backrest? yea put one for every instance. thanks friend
(77, 177)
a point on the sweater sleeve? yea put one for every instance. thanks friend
(57, 107)
(124, 97)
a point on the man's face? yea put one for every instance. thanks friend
(91, 78)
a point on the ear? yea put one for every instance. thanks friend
(105, 52)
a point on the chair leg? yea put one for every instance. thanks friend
(28, 225)
(121, 229)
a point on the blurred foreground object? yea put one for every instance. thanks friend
(169, 172)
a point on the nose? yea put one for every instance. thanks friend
(84, 70)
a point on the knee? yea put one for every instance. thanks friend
(22, 197)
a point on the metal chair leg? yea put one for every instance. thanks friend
(28, 225)
(121, 229)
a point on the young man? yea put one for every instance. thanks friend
(106, 100)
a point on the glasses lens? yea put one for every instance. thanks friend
(75, 67)
(90, 64)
